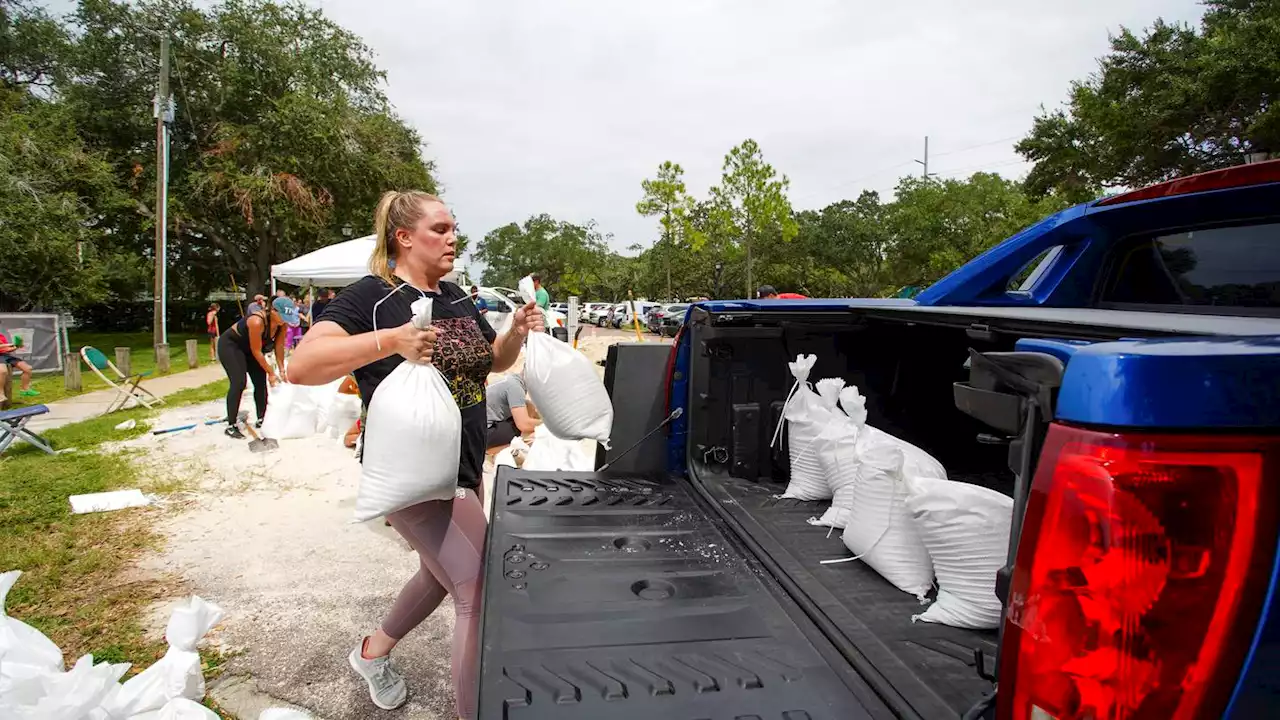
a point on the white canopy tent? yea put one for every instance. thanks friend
(332, 266)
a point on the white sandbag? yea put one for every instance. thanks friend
(564, 386)
(840, 462)
(177, 674)
(342, 413)
(548, 453)
(966, 530)
(806, 414)
(25, 652)
(880, 531)
(57, 695)
(916, 462)
(412, 437)
(291, 412)
(324, 397)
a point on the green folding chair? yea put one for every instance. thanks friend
(128, 387)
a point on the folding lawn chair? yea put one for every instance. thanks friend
(128, 388)
(13, 427)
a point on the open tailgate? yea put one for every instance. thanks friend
(619, 597)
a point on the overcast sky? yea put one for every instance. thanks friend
(563, 106)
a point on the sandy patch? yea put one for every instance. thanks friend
(269, 538)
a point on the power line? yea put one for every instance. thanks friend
(979, 145)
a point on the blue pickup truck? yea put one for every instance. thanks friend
(1115, 369)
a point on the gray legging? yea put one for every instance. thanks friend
(449, 538)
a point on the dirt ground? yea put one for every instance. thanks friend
(269, 538)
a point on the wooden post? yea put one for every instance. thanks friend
(193, 353)
(122, 360)
(162, 358)
(71, 371)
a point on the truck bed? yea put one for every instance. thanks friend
(931, 668)
(624, 597)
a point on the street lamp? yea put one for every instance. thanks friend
(719, 270)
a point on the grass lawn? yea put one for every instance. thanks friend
(142, 359)
(76, 585)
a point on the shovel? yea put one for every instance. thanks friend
(259, 444)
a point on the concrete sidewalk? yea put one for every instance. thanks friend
(93, 404)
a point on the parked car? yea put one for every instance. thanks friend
(631, 309)
(562, 308)
(654, 318)
(1113, 371)
(672, 320)
(590, 312)
(500, 303)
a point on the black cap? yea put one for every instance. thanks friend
(766, 291)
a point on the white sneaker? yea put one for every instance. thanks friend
(387, 688)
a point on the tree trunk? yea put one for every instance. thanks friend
(747, 242)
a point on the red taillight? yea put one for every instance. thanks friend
(671, 364)
(1236, 176)
(1142, 563)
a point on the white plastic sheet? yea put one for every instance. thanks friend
(564, 386)
(107, 501)
(57, 695)
(412, 437)
(966, 530)
(24, 651)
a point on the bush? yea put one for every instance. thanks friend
(135, 316)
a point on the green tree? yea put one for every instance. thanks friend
(52, 195)
(1171, 102)
(936, 226)
(751, 203)
(567, 256)
(667, 198)
(282, 134)
(839, 251)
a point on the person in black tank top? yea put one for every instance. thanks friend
(240, 349)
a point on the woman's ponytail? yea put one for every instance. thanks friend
(396, 210)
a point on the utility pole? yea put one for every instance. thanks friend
(162, 111)
(925, 161)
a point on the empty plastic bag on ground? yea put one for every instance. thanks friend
(549, 452)
(412, 437)
(564, 386)
(806, 414)
(24, 651)
(178, 673)
(291, 412)
(966, 529)
(880, 531)
(57, 695)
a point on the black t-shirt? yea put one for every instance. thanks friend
(463, 352)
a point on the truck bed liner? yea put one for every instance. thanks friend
(932, 667)
(622, 598)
